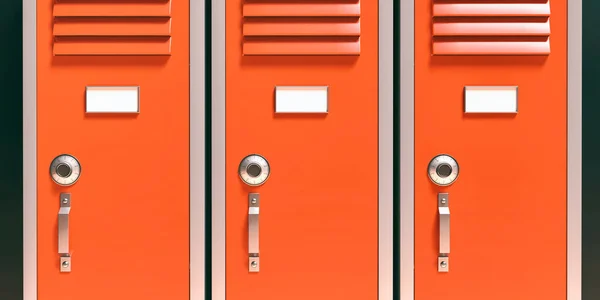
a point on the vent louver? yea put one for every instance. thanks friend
(315, 28)
(111, 27)
(487, 28)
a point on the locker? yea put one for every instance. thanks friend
(490, 150)
(302, 150)
(113, 183)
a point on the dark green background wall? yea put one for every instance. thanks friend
(11, 186)
(11, 150)
(591, 150)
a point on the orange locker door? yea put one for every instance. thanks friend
(490, 150)
(112, 150)
(297, 177)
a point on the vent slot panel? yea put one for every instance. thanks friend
(471, 27)
(112, 28)
(301, 29)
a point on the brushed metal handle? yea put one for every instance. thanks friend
(253, 214)
(63, 232)
(444, 213)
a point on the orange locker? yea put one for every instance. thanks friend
(302, 150)
(107, 150)
(491, 207)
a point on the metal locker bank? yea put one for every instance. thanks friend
(339, 149)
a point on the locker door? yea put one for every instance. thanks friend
(301, 180)
(112, 150)
(490, 150)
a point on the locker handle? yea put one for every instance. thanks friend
(253, 214)
(444, 212)
(63, 232)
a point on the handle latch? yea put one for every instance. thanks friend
(63, 232)
(253, 213)
(444, 212)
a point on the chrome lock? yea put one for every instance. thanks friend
(443, 171)
(65, 170)
(254, 170)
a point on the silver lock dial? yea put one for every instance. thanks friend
(443, 170)
(65, 170)
(254, 170)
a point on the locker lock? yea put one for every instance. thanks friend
(443, 170)
(254, 170)
(65, 170)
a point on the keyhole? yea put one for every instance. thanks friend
(444, 170)
(253, 170)
(63, 170)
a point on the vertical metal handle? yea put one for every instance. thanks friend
(63, 232)
(444, 212)
(253, 213)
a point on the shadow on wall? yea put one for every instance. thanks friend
(11, 149)
(591, 148)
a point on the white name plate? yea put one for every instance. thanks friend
(112, 99)
(301, 99)
(491, 99)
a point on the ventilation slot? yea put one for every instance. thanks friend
(314, 28)
(484, 28)
(112, 27)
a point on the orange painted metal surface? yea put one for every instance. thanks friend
(302, 47)
(112, 27)
(491, 29)
(129, 223)
(508, 205)
(83, 8)
(491, 9)
(302, 29)
(317, 215)
(301, 10)
(491, 48)
(113, 46)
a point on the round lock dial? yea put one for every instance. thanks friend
(443, 170)
(65, 170)
(254, 170)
